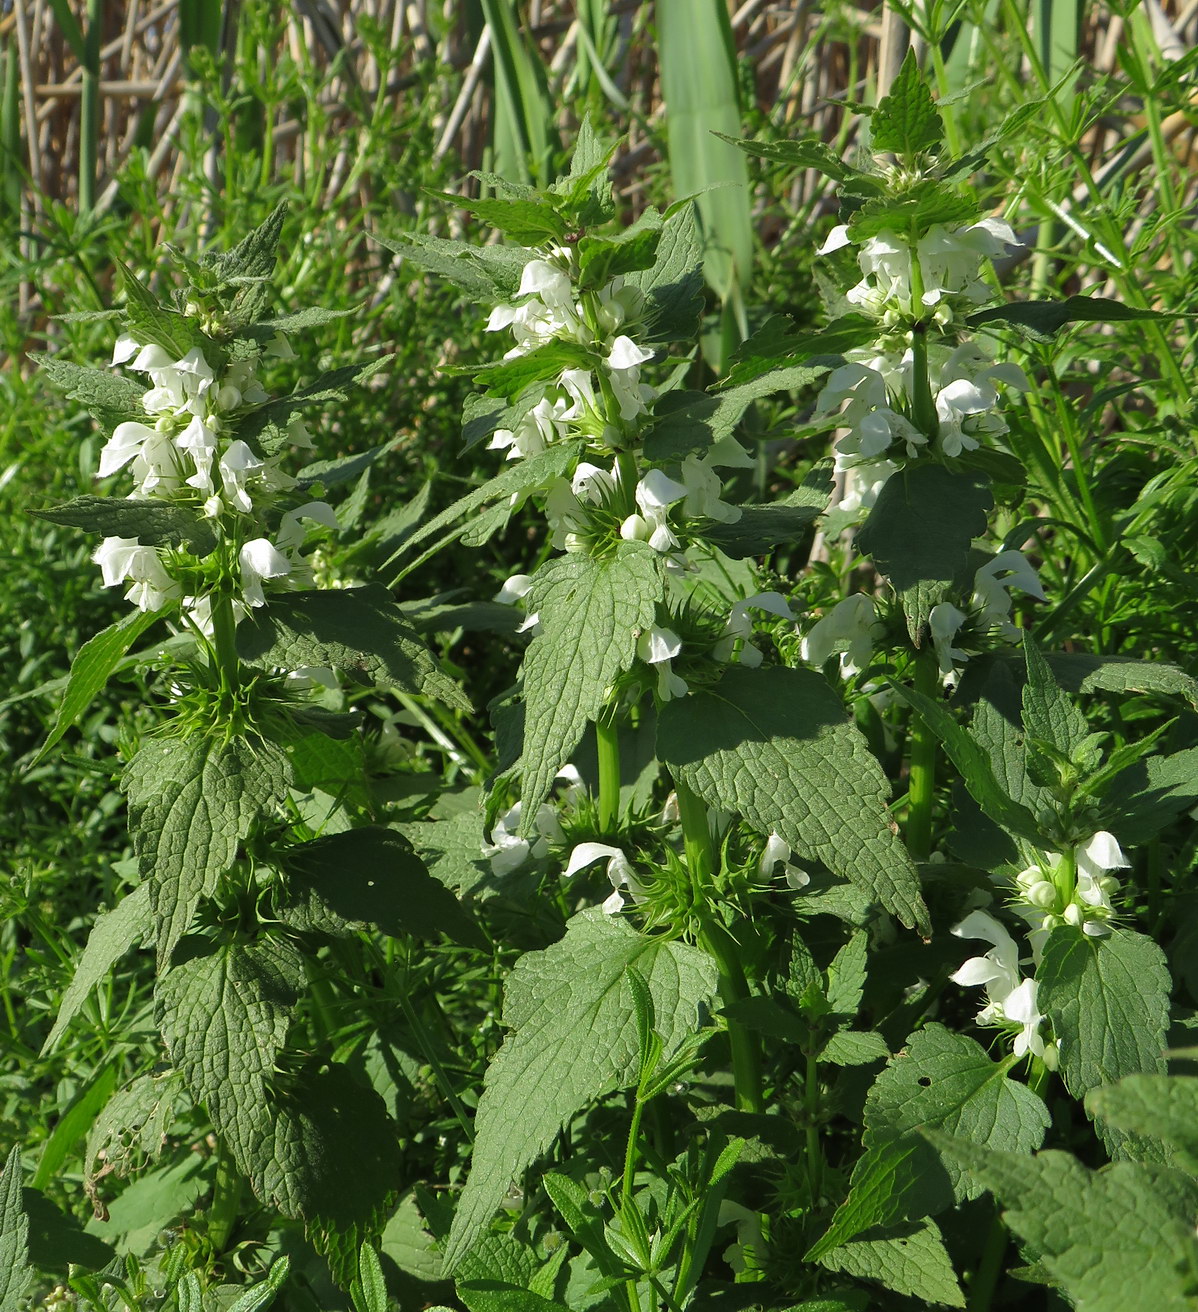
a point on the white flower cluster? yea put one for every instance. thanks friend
(873, 392)
(185, 454)
(853, 629)
(1072, 889)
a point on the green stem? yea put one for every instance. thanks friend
(923, 407)
(224, 642)
(922, 779)
(631, 1153)
(89, 111)
(985, 1278)
(734, 987)
(815, 1154)
(226, 1199)
(607, 742)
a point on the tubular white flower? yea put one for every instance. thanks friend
(126, 558)
(944, 622)
(851, 627)
(992, 594)
(739, 628)
(619, 871)
(777, 853)
(260, 561)
(657, 646)
(623, 367)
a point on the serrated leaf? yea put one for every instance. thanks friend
(149, 322)
(312, 316)
(947, 1081)
(249, 265)
(507, 1300)
(517, 479)
(15, 1271)
(1108, 1001)
(486, 274)
(776, 746)
(543, 364)
(846, 977)
(267, 428)
(854, 1048)
(370, 876)
(976, 767)
(1113, 1239)
(924, 204)
(906, 121)
(1140, 801)
(91, 669)
(452, 849)
(802, 153)
(1047, 711)
(600, 259)
(131, 1130)
(1042, 320)
(778, 341)
(125, 926)
(224, 1011)
(591, 613)
(1153, 1106)
(370, 1280)
(360, 631)
(909, 1258)
(920, 534)
(691, 423)
(336, 765)
(526, 221)
(482, 415)
(262, 1294)
(153, 523)
(109, 398)
(673, 287)
(543, 1075)
(761, 528)
(192, 802)
(1081, 672)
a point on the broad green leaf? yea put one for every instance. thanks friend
(482, 414)
(691, 423)
(1081, 672)
(673, 288)
(543, 1074)
(452, 849)
(1108, 1001)
(359, 631)
(267, 428)
(909, 1258)
(312, 316)
(1047, 711)
(891, 1182)
(75, 1121)
(224, 1011)
(997, 728)
(761, 528)
(1154, 1106)
(527, 222)
(906, 121)
(149, 322)
(153, 523)
(507, 1300)
(486, 274)
(802, 153)
(776, 746)
(1113, 1239)
(1042, 320)
(543, 364)
(779, 343)
(920, 535)
(846, 977)
(370, 876)
(600, 259)
(407, 1242)
(91, 668)
(57, 1239)
(15, 1271)
(854, 1048)
(131, 1130)
(949, 1082)
(929, 201)
(591, 613)
(1140, 801)
(192, 802)
(517, 479)
(335, 765)
(976, 767)
(109, 398)
(249, 264)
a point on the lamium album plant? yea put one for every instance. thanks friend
(793, 920)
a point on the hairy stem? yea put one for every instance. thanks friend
(607, 742)
(224, 642)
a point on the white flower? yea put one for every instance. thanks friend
(945, 621)
(514, 589)
(655, 494)
(619, 871)
(992, 595)
(739, 628)
(851, 627)
(544, 424)
(623, 366)
(125, 558)
(777, 852)
(703, 488)
(237, 465)
(260, 560)
(1010, 998)
(658, 647)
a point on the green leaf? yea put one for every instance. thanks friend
(543, 364)
(854, 1048)
(15, 1272)
(359, 631)
(482, 415)
(370, 876)
(262, 1295)
(507, 1300)
(761, 528)
(947, 1081)
(1081, 672)
(192, 802)
(92, 1093)
(802, 153)
(1047, 711)
(518, 478)
(1042, 320)
(1153, 1106)
(690, 423)
(127, 925)
(1140, 801)
(1108, 1001)
(673, 287)
(1113, 1239)
(267, 428)
(592, 612)
(153, 523)
(600, 259)
(486, 274)
(778, 342)
(131, 1130)
(776, 746)
(109, 398)
(922, 205)
(920, 535)
(224, 1011)
(528, 222)
(909, 1258)
(56, 1239)
(543, 1075)
(906, 122)
(90, 671)
(846, 977)
(370, 1281)
(976, 767)
(149, 322)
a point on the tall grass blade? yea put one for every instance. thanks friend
(11, 172)
(697, 59)
(201, 23)
(523, 110)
